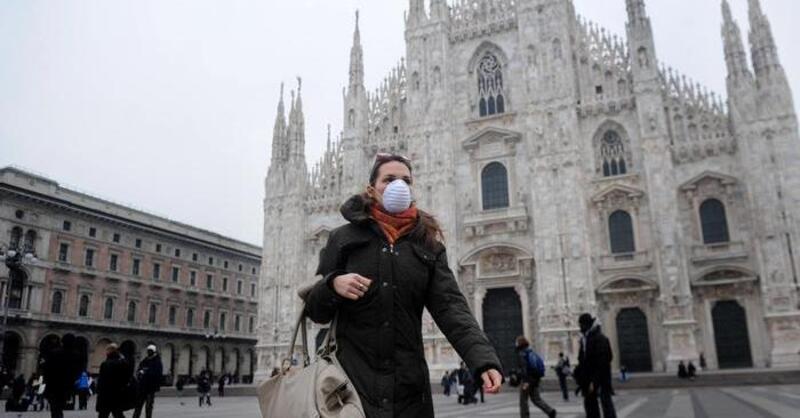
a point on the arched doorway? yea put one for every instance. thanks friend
(82, 352)
(128, 349)
(232, 366)
(502, 323)
(168, 360)
(730, 335)
(11, 344)
(185, 361)
(219, 361)
(247, 367)
(203, 359)
(633, 340)
(47, 345)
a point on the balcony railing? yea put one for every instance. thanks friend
(620, 261)
(496, 221)
(732, 250)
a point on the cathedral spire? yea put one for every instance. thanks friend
(640, 40)
(637, 12)
(439, 10)
(762, 44)
(416, 13)
(279, 132)
(735, 55)
(296, 132)
(356, 61)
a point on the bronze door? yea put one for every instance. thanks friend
(502, 323)
(633, 340)
(730, 335)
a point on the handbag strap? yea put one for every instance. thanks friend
(328, 346)
(300, 326)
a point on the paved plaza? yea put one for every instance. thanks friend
(732, 402)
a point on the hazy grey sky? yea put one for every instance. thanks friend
(168, 105)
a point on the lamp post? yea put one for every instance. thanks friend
(14, 259)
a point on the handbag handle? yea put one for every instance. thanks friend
(328, 347)
(301, 325)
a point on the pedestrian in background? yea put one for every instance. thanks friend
(531, 369)
(60, 371)
(446, 383)
(593, 373)
(82, 387)
(221, 385)
(115, 373)
(204, 389)
(682, 373)
(149, 377)
(563, 370)
(691, 371)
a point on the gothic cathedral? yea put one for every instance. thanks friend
(572, 171)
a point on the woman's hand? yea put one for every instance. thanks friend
(351, 286)
(491, 381)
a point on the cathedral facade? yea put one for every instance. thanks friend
(572, 172)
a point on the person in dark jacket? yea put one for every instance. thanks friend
(115, 373)
(593, 373)
(562, 370)
(530, 380)
(60, 369)
(682, 373)
(149, 377)
(221, 385)
(379, 271)
(204, 389)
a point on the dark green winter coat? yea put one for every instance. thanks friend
(380, 335)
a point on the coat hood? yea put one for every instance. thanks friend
(355, 209)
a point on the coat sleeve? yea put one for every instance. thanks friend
(322, 301)
(449, 309)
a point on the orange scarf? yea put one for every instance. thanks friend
(395, 226)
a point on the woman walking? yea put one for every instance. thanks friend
(378, 273)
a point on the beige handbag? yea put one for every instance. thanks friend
(319, 389)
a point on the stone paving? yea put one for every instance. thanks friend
(781, 401)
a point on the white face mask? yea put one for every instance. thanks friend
(397, 196)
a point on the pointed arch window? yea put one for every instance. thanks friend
(612, 154)
(620, 230)
(714, 222)
(491, 95)
(494, 186)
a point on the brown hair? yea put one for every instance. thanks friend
(522, 342)
(430, 233)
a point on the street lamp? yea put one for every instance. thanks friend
(14, 259)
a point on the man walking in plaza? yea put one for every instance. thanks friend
(60, 372)
(562, 370)
(149, 376)
(532, 370)
(593, 373)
